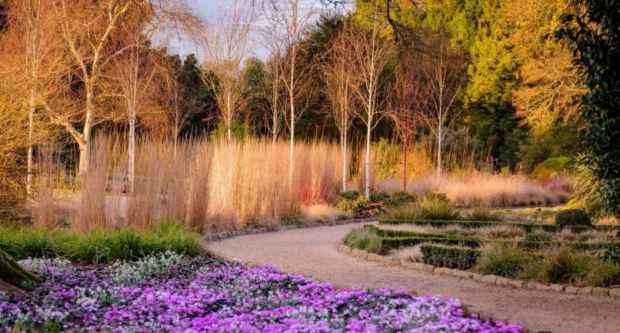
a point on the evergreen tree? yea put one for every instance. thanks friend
(594, 33)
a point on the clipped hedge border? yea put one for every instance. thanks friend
(393, 239)
(486, 279)
(450, 256)
(528, 227)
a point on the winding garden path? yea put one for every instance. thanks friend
(313, 253)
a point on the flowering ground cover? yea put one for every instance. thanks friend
(171, 293)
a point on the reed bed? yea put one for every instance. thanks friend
(208, 185)
(480, 189)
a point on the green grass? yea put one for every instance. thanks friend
(504, 259)
(428, 208)
(98, 246)
(364, 239)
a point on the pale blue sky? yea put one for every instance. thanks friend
(209, 10)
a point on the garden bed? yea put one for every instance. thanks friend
(470, 224)
(169, 292)
(581, 259)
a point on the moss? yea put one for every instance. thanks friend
(13, 274)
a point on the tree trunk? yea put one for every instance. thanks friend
(13, 274)
(30, 153)
(131, 168)
(439, 148)
(344, 160)
(405, 149)
(85, 146)
(367, 161)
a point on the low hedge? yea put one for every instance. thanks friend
(398, 242)
(572, 217)
(449, 256)
(393, 239)
(528, 227)
(98, 246)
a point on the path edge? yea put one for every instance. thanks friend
(486, 279)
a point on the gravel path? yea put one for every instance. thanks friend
(312, 252)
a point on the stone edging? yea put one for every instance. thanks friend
(487, 279)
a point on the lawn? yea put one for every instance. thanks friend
(172, 293)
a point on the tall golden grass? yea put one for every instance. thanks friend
(209, 185)
(480, 189)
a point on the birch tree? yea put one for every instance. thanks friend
(370, 53)
(337, 77)
(272, 42)
(32, 60)
(87, 29)
(443, 70)
(138, 65)
(291, 19)
(226, 48)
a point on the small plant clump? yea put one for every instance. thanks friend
(504, 260)
(573, 217)
(430, 207)
(565, 266)
(364, 239)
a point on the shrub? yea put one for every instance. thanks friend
(537, 240)
(612, 254)
(352, 205)
(364, 239)
(400, 198)
(99, 246)
(554, 167)
(378, 197)
(408, 212)
(349, 195)
(437, 207)
(603, 274)
(573, 217)
(503, 259)
(481, 214)
(565, 266)
(449, 256)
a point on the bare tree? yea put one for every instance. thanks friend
(408, 101)
(226, 48)
(443, 69)
(337, 77)
(134, 72)
(291, 19)
(369, 57)
(33, 59)
(87, 29)
(272, 42)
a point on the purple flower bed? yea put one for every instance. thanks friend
(206, 295)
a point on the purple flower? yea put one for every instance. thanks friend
(207, 295)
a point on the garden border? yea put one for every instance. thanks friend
(486, 279)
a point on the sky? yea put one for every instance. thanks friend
(211, 10)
